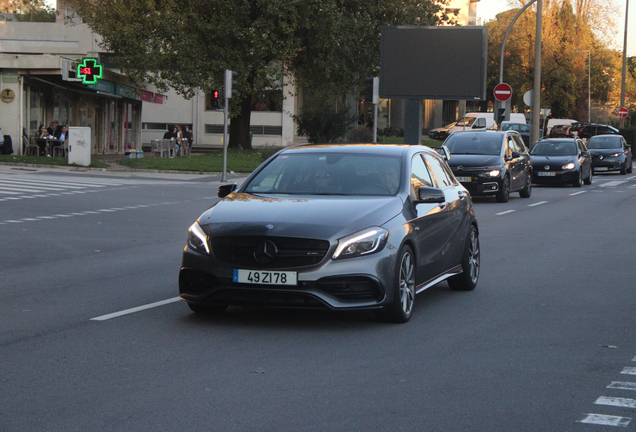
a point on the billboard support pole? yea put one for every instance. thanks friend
(413, 122)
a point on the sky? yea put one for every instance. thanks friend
(487, 9)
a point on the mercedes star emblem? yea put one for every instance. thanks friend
(265, 252)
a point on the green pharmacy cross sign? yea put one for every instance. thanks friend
(89, 71)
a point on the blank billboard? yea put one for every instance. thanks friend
(433, 62)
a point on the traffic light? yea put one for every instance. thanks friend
(371, 90)
(501, 115)
(230, 82)
(215, 98)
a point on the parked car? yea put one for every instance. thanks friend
(590, 130)
(482, 121)
(345, 227)
(491, 163)
(522, 128)
(610, 153)
(440, 133)
(552, 123)
(575, 127)
(561, 160)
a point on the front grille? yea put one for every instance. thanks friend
(256, 297)
(290, 251)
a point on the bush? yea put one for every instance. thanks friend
(360, 134)
(630, 135)
(322, 123)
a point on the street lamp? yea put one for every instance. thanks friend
(589, 84)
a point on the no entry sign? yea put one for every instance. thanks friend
(503, 92)
(623, 112)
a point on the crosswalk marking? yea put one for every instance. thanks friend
(616, 401)
(613, 183)
(605, 420)
(621, 385)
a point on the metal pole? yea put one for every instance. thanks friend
(503, 44)
(622, 120)
(589, 87)
(536, 92)
(375, 123)
(225, 114)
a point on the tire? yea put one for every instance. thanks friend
(401, 309)
(504, 193)
(471, 264)
(624, 169)
(527, 191)
(631, 166)
(588, 180)
(577, 183)
(207, 309)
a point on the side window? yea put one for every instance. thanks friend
(519, 144)
(440, 175)
(419, 175)
(480, 123)
(509, 147)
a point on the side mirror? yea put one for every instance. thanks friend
(443, 151)
(226, 189)
(516, 154)
(430, 195)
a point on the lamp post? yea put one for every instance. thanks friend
(589, 83)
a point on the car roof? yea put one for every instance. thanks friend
(362, 148)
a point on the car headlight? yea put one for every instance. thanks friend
(616, 154)
(363, 242)
(493, 173)
(568, 166)
(197, 239)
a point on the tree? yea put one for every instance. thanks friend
(566, 37)
(28, 10)
(326, 45)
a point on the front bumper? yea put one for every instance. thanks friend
(608, 164)
(479, 184)
(555, 176)
(347, 284)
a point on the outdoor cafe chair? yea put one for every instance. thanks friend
(28, 147)
(62, 148)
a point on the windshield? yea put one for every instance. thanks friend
(328, 174)
(466, 121)
(554, 148)
(475, 143)
(604, 142)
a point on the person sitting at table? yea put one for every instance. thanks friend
(61, 135)
(40, 138)
(52, 129)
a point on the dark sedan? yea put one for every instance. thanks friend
(491, 163)
(344, 227)
(590, 130)
(440, 133)
(522, 128)
(610, 153)
(561, 160)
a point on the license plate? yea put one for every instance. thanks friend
(260, 277)
(546, 174)
(464, 179)
(601, 168)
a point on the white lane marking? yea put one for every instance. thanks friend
(622, 385)
(46, 217)
(537, 204)
(506, 212)
(634, 359)
(106, 210)
(61, 215)
(605, 420)
(136, 309)
(629, 371)
(23, 189)
(27, 197)
(9, 193)
(90, 212)
(613, 183)
(14, 221)
(631, 178)
(616, 401)
(30, 219)
(577, 193)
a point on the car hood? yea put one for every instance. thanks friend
(552, 159)
(605, 152)
(306, 216)
(470, 161)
